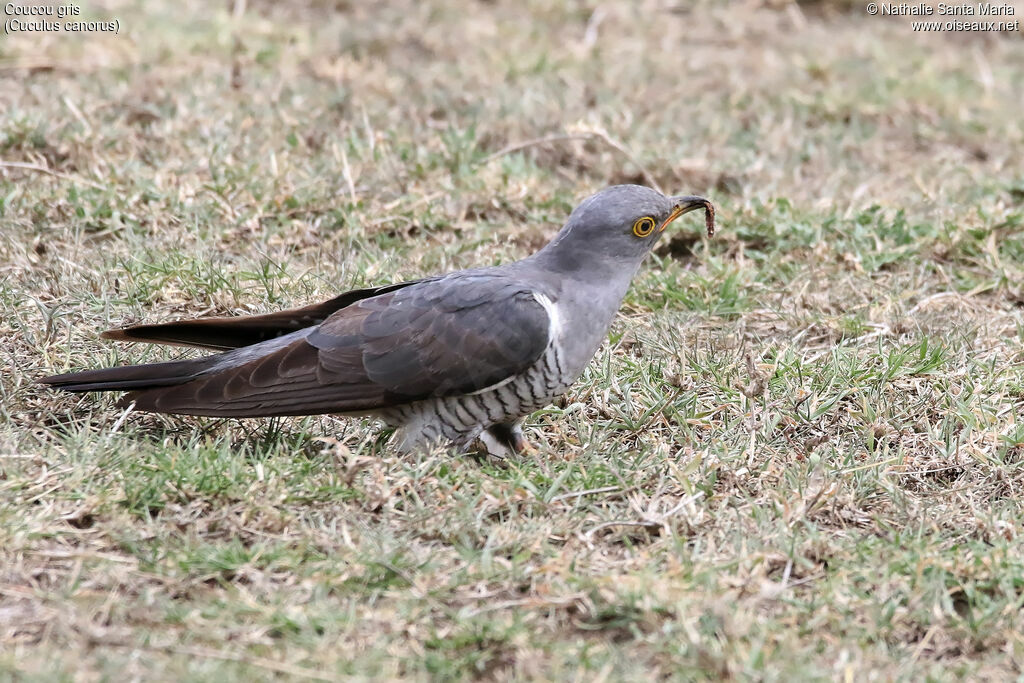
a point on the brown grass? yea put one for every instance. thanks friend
(798, 457)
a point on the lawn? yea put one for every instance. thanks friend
(800, 455)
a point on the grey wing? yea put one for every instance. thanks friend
(440, 337)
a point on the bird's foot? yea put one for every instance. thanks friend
(488, 445)
(503, 440)
(521, 446)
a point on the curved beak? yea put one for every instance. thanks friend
(688, 203)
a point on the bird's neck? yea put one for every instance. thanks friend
(588, 271)
(588, 292)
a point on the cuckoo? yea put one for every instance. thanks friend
(451, 358)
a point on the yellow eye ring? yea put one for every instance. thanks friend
(643, 226)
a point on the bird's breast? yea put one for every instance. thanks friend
(577, 327)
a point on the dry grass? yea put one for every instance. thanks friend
(797, 457)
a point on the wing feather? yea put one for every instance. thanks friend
(440, 337)
(223, 333)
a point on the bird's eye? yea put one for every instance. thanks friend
(643, 226)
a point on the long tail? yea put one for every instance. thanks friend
(221, 334)
(130, 378)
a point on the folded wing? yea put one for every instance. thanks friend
(439, 337)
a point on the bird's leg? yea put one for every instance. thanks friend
(510, 436)
(502, 440)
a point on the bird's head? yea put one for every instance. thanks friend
(621, 224)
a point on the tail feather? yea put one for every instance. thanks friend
(221, 334)
(132, 377)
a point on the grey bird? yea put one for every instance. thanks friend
(450, 359)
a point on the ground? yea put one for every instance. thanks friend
(797, 457)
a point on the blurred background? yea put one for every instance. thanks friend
(815, 102)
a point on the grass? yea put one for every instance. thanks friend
(797, 457)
